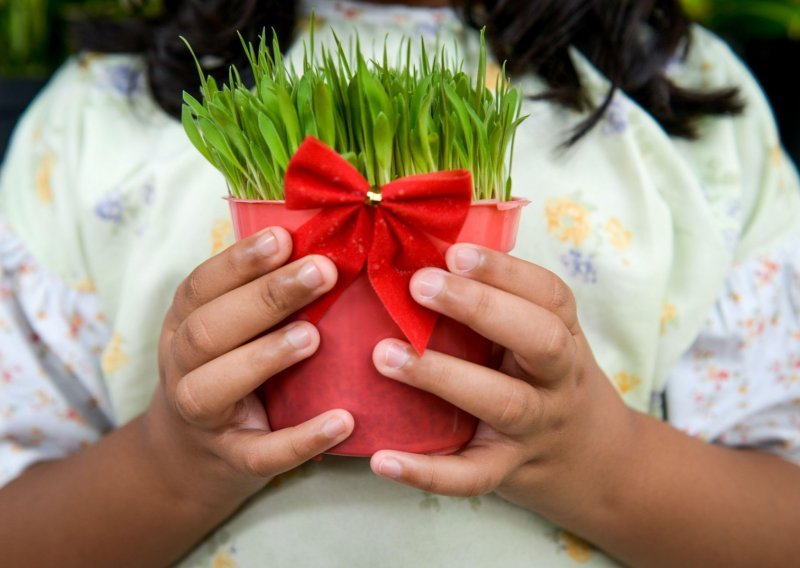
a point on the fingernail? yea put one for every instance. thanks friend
(333, 428)
(267, 244)
(395, 356)
(429, 284)
(390, 468)
(298, 337)
(310, 276)
(467, 258)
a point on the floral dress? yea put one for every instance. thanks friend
(684, 258)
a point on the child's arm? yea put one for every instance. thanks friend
(145, 494)
(556, 438)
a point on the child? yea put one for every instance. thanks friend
(676, 274)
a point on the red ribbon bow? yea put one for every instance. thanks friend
(387, 230)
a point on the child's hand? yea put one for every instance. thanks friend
(551, 425)
(205, 424)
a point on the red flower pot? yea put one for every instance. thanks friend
(388, 414)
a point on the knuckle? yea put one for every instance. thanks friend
(236, 260)
(482, 484)
(265, 357)
(436, 376)
(254, 465)
(191, 289)
(483, 304)
(430, 482)
(274, 297)
(561, 297)
(274, 355)
(187, 403)
(557, 341)
(300, 449)
(196, 336)
(516, 412)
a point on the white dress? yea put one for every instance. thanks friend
(684, 258)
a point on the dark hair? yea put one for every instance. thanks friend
(210, 26)
(630, 41)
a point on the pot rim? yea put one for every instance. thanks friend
(513, 203)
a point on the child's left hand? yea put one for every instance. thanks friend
(553, 431)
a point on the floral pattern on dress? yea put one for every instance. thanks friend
(426, 22)
(775, 421)
(669, 314)
(619, 237)
(114, 356)
(717, 179)
(44, 189)
(625, 382)
(745, 364)
(568, 220)
(119, 82)
(111, 208)
(615, 120)
(574, 222)
(787, 371)
(224, 559)
(221, 235)
(579, 266)
(121, 207)
(125, 78)
(577, 549)
(52, 400)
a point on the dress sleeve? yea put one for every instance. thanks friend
(52, 399)
(739, 384)
(39, 183)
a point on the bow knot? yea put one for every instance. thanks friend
(393, 240)
(374, 198)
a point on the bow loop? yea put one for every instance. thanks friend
(319, 177)
(389, 234)
(439, 213)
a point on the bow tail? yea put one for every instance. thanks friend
(344, 235)
(398, 251)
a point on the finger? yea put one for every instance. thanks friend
(266, 454)
(243, 262)
(233, 319)
(517, 277)
(476, 471)
(207, 396)
(508, 405)
(542, 340)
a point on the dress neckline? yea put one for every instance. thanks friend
(399, 15)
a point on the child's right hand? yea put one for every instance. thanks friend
(205, 425)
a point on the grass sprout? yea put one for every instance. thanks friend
(389, 121)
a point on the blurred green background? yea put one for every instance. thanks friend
(34, 33)
(748, 19)
(766, 33)
(34, 40)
